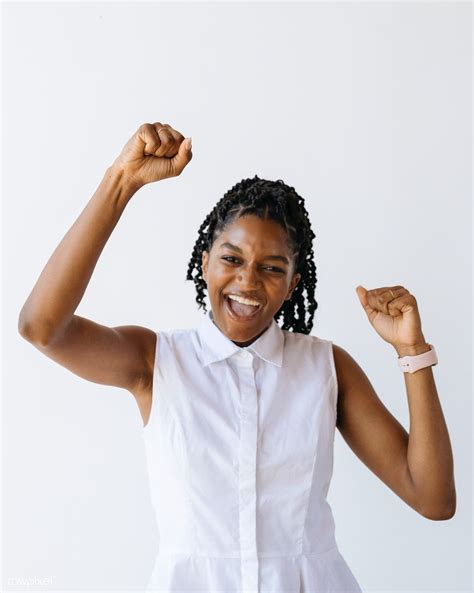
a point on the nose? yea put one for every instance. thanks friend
(249, 277)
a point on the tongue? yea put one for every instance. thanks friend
(241, 309)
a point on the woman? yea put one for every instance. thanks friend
(239, 413)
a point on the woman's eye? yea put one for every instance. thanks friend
(271, 268)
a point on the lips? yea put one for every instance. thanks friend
(238, 316)
(250, 297)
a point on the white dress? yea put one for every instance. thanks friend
(239, 448)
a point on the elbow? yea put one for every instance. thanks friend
(24, 328)
(441, 507)
(32, 332)
(24, 325)
(440, 514)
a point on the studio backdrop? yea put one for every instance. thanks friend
(365, 109)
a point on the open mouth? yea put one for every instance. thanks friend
(241, 312)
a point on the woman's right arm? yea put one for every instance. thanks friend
(121, 356)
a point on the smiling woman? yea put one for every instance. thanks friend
(245, 292)
(240, 413)
(254, 256)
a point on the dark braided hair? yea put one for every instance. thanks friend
(279, 202)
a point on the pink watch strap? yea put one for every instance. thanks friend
(410, 364)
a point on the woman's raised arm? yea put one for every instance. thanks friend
(120, 356)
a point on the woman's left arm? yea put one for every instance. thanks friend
(418, 466)
(429, 454)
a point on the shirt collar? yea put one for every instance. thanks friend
(217, 346)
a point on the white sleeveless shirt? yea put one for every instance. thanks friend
(239, 448)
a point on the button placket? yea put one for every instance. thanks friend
(247, 474)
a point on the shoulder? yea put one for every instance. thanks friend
(176, 342)
(309, 352)
(179, 336)
(304, 340)
(307, 344)
(158, 343)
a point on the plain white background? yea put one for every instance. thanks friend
(365, 108)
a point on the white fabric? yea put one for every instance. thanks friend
(239, 448)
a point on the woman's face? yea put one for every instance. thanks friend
(250, 259)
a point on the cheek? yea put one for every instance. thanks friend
(221, 274)
(218, 278)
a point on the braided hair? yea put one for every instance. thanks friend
(279, 202)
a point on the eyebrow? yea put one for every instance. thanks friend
(275, 257)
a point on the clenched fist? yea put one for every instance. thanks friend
(156, 151)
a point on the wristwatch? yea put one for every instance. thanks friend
(411, 364)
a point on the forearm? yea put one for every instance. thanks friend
(63, 281)
(429, 454)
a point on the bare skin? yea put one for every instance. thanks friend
(119, 356)
(416, 466)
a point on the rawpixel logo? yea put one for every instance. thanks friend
(34, 582)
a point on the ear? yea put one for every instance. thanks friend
(204, 262)
(294, 282)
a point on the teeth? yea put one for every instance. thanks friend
(243, 300)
